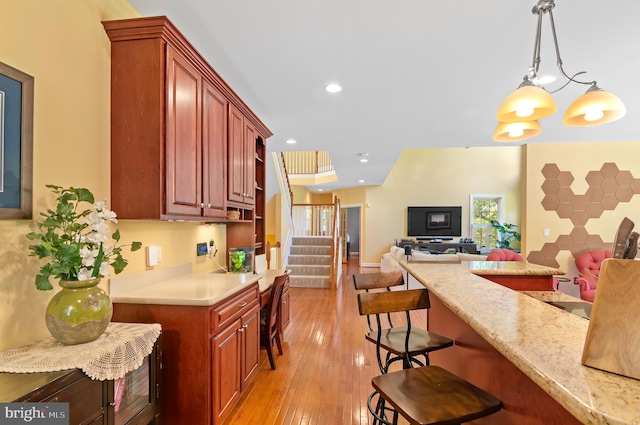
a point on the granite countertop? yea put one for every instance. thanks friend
(544, 342)
(178, 286)
(511, 268)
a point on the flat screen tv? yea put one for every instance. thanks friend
(434, 221)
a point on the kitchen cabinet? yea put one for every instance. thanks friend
(210, 353)
(172, 120)
(92, 401)
(242, 139)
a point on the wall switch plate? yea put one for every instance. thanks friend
(201, 249)
(152, 255)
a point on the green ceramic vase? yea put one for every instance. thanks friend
(79, 313)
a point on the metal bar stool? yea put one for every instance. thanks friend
(401, 343)
(422, 395)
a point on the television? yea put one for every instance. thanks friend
(434, 221)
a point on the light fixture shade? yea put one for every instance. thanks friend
(594, 107)
(527, 103)
(516, 131)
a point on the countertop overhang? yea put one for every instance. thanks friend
(544, 342)
(181, 287)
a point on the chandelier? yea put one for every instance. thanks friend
(519, 113)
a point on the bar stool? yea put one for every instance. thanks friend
(422, 395)
(401, 343)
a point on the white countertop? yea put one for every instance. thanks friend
(178, 286)
(544, 342)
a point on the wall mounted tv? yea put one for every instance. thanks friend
(434, 221)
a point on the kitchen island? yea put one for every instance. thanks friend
(522, 350)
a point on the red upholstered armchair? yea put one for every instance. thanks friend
(504, 255)
(588, 265)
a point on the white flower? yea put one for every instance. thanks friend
(108, 215)
(84, 273)
(100, 205)
(104, 269)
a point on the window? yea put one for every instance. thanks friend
(485, 208)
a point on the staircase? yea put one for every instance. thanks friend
(310, 261)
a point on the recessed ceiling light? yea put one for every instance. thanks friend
(360, 181)
(290, 142)
(320, 190)
(333, 88)
(364, 160)
(363, 154)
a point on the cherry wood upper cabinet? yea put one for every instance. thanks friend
(242, 148)
(172, 126)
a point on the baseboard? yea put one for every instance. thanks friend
(370, 265)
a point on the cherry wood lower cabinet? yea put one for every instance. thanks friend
(91, 401)
(210, 353)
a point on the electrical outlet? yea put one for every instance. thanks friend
(212, 246)
(152, 255)
(201, 248)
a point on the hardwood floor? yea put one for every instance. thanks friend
(324, 376)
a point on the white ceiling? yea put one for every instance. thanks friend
(415, 73)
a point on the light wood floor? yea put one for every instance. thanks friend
(324, 376)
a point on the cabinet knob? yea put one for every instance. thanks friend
(242, 304)
(208, 205)
(245, 326)
(202, 205)
(241, 330)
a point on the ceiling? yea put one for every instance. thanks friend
(415, 73)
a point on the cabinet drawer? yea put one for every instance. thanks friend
(85, 400)
(232, 308)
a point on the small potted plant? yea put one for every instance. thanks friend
(76, 243)
(507, 234)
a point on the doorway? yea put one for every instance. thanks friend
(352, 226)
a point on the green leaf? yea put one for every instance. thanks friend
(96, 265)
(119, 264)
(136, 246)
(42, 283)
(84, 195)
(116, 235)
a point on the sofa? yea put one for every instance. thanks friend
(390, 259)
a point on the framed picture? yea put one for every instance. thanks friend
(16, 143)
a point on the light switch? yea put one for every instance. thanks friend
(546, 232)
(152, 255)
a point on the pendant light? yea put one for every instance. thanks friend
(516, 131)
(531, 102)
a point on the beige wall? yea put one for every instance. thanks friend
(63, 45)
(436, 177)
(578, 159)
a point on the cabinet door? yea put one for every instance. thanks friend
(236, 155)
(251, 345)
(183, 148)
(249, 163)
(214, 152)
(226, 346)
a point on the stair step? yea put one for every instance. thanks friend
(311, 240)
(310, 259)
(310, 250)
(299, 270)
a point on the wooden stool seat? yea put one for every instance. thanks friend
(432, 395)
(368, 281)
(420, 340)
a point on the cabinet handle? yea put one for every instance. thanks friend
(208, 205)
(241, 330)
(245, 326)
(201, 204)
(112, 404)
(242, 304)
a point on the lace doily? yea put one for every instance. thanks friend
(119, 350)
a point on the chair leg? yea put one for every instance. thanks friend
(279, 342)
(269, 347)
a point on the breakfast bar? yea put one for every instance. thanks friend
(522, 350)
